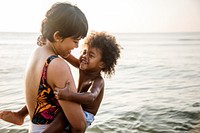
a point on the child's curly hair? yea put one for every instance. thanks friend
(110, 50)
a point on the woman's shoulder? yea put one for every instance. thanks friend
(58, 67)
(58, 72)
(58, 64)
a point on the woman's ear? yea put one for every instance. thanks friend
(57, 37)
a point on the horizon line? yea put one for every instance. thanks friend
(111, 32)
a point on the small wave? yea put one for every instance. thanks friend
(13, 130)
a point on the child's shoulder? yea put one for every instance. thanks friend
(99, 79)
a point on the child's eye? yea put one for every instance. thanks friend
(91, 55)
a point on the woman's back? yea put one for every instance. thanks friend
(33, 75)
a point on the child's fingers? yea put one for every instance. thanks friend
(56, 95)
(67, 84)
(55, 92)
(56, 89)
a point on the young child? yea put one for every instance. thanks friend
(99, 55)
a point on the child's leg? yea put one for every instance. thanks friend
(58, 125)
(14, 117)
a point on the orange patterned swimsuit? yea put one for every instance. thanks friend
(47, 105)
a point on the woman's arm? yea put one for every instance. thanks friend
(58, 73)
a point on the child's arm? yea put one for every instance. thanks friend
(73, 60)
(83, 97)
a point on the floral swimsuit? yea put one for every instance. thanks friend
(47, 105)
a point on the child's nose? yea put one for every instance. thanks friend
(85, 55)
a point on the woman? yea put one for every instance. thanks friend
(63, 27)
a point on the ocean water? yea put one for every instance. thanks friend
(156, 87)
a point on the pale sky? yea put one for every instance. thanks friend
(126, 16)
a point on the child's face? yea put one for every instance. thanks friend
(90, 59)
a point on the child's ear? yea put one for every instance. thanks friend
(102, 65)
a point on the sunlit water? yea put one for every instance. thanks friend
(156, 87)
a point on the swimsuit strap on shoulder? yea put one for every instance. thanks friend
(44, 71)
(51, 58)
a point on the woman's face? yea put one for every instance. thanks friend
(66, 45)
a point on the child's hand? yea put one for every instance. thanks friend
(63, 93)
